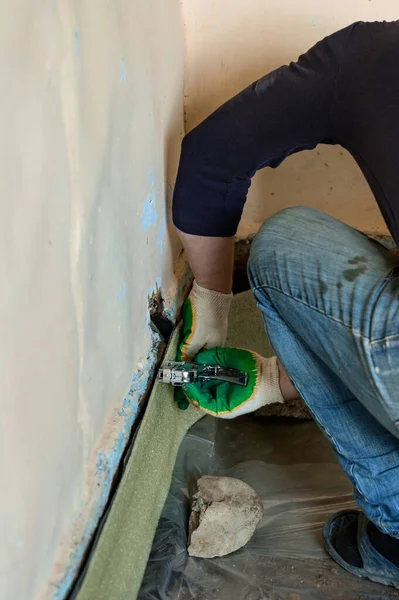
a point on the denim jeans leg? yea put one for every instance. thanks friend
(330, 301)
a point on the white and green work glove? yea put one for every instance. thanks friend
(205, 320)
(228, 400)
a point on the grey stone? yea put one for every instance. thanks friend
(225, 514)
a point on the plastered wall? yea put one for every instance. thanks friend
(91, 118)
(231, 43)
(91, 113)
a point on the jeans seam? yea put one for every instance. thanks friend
(384, 283)
(378, 517)
(372, 374)
(383, 340)
(321, 312)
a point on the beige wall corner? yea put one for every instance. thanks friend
(91, 119)
(231, 43)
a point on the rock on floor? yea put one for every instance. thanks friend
(225, 514)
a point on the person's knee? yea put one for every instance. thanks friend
(300, 220)
(279, 237)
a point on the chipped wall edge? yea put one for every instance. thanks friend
(117, 437)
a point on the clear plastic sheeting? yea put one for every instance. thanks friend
(295, 509)
(294, 470)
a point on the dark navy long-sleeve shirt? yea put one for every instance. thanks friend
(345, 90)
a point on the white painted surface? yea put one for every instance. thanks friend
(232, 43)
(91, 119)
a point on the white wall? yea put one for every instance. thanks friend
(91, 119)
(231, 43)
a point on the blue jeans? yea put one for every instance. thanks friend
(330, 301)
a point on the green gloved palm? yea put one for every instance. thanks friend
(227, 400)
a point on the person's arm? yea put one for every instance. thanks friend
(211, 260)
(288, 110)
(284, 112)
(206, 311)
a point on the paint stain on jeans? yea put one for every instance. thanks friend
(323, 287)
(358, 259)
(359, 268)
(351, 274)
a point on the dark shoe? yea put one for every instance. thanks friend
(375, 566)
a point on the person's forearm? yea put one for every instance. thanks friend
(211, 260)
